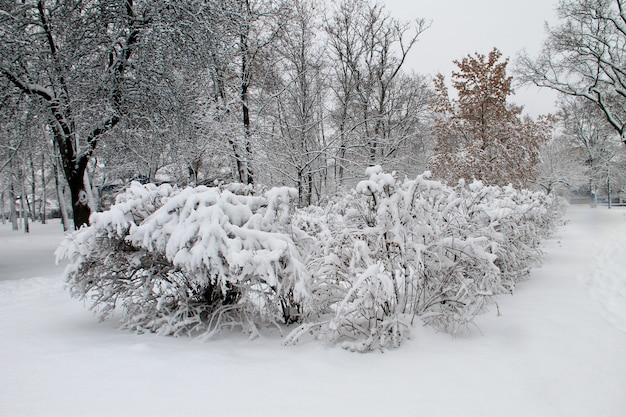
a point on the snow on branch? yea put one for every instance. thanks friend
(394, 252)
(358, 272)
(162, 250)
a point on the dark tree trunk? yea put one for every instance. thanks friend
(248, 175)
(58, 101)
(44, 195)
(80, 199)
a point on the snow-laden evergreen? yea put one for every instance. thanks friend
(360, 271)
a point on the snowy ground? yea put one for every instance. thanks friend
(558, 349)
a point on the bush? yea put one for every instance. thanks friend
(191, 260)
(358, 272)
(393, 251)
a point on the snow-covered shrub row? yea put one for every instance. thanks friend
(394, 251)
(358, 272)
(190, 260)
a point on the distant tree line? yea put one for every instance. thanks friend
(277, 92)
(301, 93)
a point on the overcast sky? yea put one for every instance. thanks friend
(462, 27)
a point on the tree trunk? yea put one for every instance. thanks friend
(2, 215)
(608, 187)
(340, 164)
(33, 190)
(241, 173)
(65, 221)
(23, 208)
(247, 177)
(80, 199)
(309, 193)
(44, 195)
(300, 189)
(25, 218)
(245, 83)
(249, 173)
(13, 211)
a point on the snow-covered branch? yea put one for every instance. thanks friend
(358, 272)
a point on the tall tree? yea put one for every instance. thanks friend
(368, 49)
(585, 56)
(73, 58)
(480, 135)
(256, 24)
(22, 149)
(164, 127)
(297, 90)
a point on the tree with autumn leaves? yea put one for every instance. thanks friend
(479, 134)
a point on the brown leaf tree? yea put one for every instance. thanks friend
(479, 134)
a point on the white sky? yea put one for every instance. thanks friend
(463, 27)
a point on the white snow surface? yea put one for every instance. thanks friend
(557, 349)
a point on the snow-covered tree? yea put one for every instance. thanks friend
(594, 144)
(584, 56)
(378, 111)
(49, 50)
(561, 168)
(480, 135)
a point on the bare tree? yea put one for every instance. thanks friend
(369, 48)
(560, 168)
(21, 133)
(250, 26)
(585, 56)
(595, 144)
(294, 111)
(73, 57)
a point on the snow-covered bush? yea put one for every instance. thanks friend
(190, 260)
(395, 250)
(358, 272)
